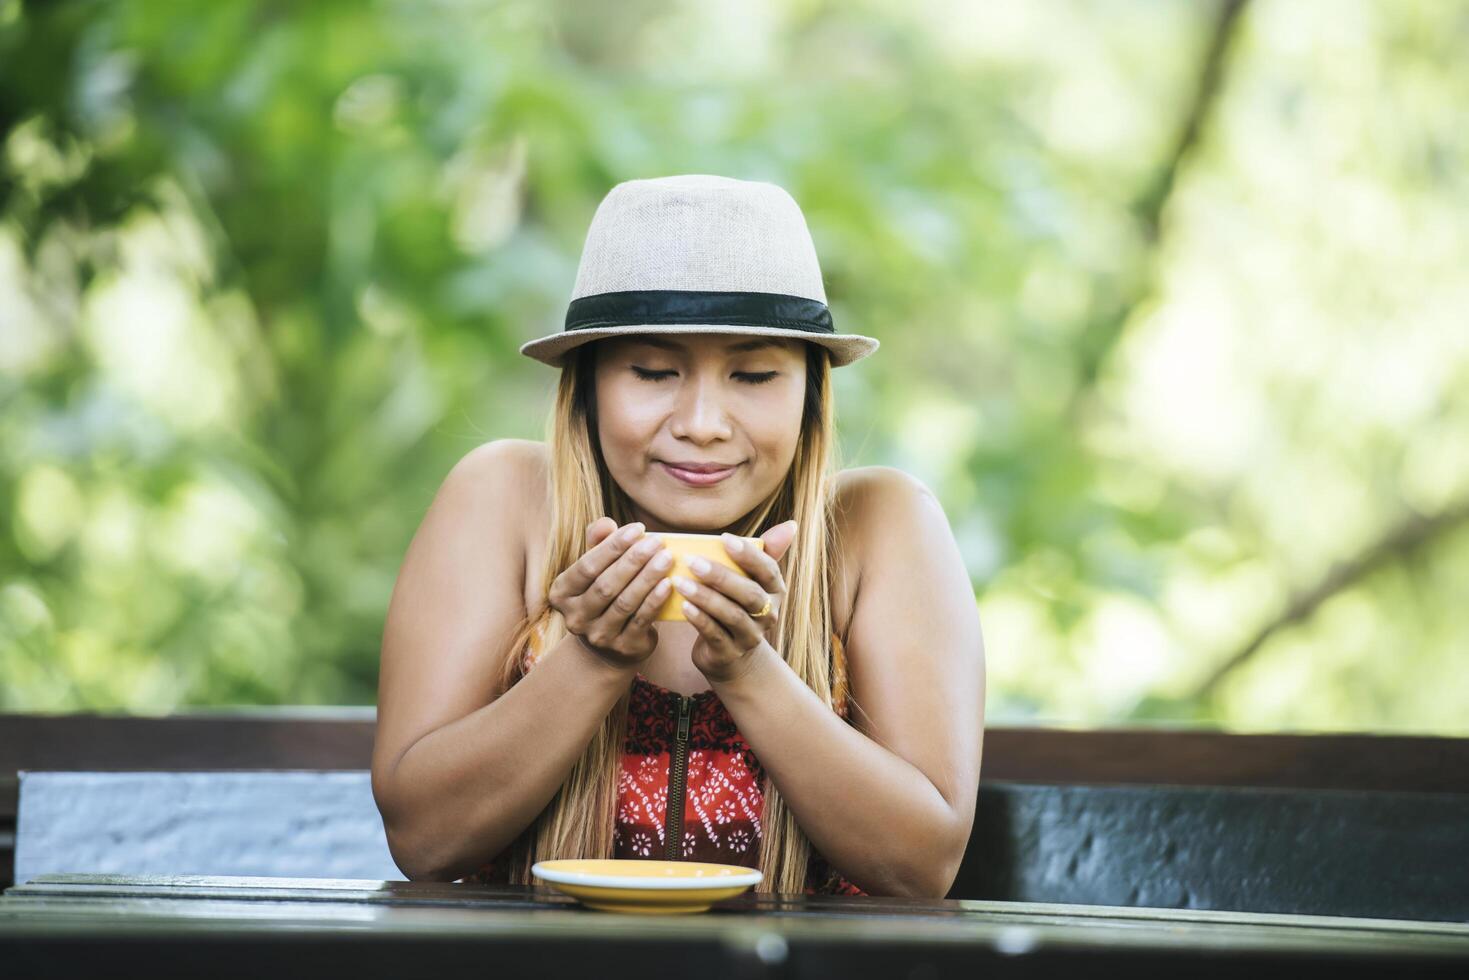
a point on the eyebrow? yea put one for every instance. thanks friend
(734, 348)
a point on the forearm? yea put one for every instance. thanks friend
(463, 792)
(872, 814)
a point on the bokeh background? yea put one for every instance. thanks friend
(1172, 299)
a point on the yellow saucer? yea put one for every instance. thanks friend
(650, 887)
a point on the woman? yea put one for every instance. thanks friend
(820, 720)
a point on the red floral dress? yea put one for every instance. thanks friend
(692, 739)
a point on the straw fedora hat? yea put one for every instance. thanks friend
(698, 253)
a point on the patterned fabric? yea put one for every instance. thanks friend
(723, 802)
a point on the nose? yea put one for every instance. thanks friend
(699, 413)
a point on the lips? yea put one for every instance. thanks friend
(695, 479)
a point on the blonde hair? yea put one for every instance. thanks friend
(579, 820)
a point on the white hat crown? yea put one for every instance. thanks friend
(698, 253)
(699, 232)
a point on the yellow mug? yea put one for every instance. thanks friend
(685, 546)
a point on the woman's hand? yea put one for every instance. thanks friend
(722, 604)
(611, 594)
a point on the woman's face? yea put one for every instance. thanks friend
(729, 399)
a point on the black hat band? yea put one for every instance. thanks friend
(674, 306)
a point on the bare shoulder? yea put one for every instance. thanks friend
(863, 495)
(867, 497)
(504, 459)
(865, 481)
(500, 479)
(522, 470)
(513, 470)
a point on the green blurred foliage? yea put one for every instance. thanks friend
(1171, 304)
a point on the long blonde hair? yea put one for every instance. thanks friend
(579, 820)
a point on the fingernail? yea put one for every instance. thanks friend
(631, 532)
(663, 560)
(684, 585)
(700, 566)
(733, 543)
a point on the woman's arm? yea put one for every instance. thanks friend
(463, 792)
(892, 808)
(459, 768)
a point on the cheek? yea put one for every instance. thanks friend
(777, 444)
(791, 412)
(627, 422)
(617, 407)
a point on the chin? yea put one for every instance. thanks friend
(697, 523)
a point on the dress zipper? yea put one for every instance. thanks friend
(678, 772)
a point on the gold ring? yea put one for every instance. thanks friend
(764, 610)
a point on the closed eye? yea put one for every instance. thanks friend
(748, 377)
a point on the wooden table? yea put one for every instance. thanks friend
(225, 927)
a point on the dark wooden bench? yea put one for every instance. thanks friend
(1313, 824)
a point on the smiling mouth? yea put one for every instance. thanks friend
(696, 479)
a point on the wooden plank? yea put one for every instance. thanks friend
(1192, 757)
(425, 894)
(296, 738)
(276, 739)
(270, 889)
(802, 926)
